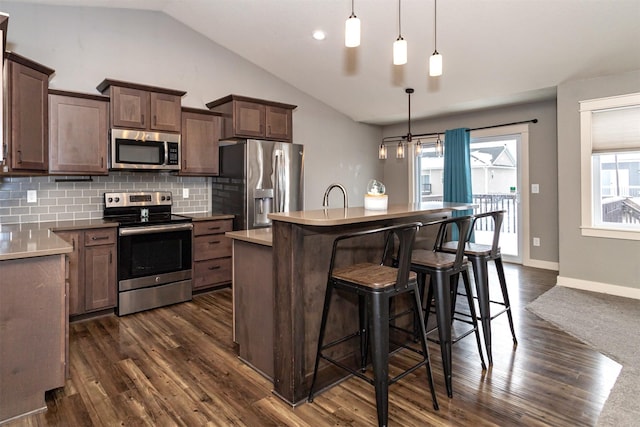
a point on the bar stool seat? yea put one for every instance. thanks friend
(375, 285)
(444, 270)
(479, 256)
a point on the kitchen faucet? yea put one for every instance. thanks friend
(325, 201)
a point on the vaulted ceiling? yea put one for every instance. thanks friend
(496, 52)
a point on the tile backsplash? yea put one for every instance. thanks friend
(58, 200)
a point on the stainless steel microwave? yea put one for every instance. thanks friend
(140, 150)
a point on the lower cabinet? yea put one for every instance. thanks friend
(92, 269)
(211, 253)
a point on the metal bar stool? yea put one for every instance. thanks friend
(479, 255)
(444, 270)
(375, 285)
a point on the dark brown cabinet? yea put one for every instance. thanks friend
(254, 118)
(200, 136)
(78, 133)
(135, 106)
(211, 253)
(26, 130)
(92, 269)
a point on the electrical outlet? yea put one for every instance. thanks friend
(536, 241)
(535, 188)
(185, 193)
(32, 196)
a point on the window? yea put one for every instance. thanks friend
(610, 167)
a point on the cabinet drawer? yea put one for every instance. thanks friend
(211, 272)
(103, 236)
(212, 227)
(211, 246)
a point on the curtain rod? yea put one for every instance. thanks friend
(403, 137)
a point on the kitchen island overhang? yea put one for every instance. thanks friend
(302, 244)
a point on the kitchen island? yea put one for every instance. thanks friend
(302, 243)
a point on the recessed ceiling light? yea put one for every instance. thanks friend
(319, 35)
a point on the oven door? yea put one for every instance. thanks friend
(154, 255)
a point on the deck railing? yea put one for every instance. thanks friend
(487, 203)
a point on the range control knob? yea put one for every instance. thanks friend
(168, 198)
(117, 199)
(110, 199)
(163, 198)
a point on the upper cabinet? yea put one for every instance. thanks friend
(245, 117)
(78, 133)
(25, 148)
(200, 136)
(135, 106)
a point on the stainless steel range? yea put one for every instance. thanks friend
(154, 250)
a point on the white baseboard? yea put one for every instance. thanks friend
(604, 288)
(546, 265)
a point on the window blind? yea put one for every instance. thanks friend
(616, 129)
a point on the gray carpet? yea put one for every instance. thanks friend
(611, 325)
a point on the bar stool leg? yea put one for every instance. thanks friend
(364, 336)
(481, 275)
(472, 311)
(441, 290)
(417, 304)
(505, 296)
(323, 324)
(378, 307)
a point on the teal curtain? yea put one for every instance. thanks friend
(457, 170)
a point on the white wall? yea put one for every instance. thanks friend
(600, 264)
(87, 45)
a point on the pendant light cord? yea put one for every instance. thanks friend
(435, 23)
(353, 15)
(409, 91)
(399, 21)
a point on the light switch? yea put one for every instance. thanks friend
(535, 188)
(32, 196)
(185, 193)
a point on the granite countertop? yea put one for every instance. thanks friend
(27, 243)
(205, 216)
(39, 239)
(260, 236)
(342, 216)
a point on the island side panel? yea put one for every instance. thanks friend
(32, 332)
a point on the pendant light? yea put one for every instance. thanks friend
(400, 45)
(352, 30)
(439, 147)
(435, 61)
(382, 152)
(418, 148)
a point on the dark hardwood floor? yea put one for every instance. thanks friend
(177, 366)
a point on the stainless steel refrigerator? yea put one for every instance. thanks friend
(256, 178)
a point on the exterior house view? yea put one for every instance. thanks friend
(211, 214)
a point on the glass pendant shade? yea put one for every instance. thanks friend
(439, 147)
(435, 64)
(382, 152)
(418, 148)
(400, 151)
(352, 31)
(400, 51)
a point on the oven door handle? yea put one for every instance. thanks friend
(132, 231)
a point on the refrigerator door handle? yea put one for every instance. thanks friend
(278, 182)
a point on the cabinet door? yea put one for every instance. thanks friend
(28, 118)
(165, 112)
(279, 122)
(78, 135)
(76, 271)
(129, 107)
(249, 119)
(100, 277)
(200, 136)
